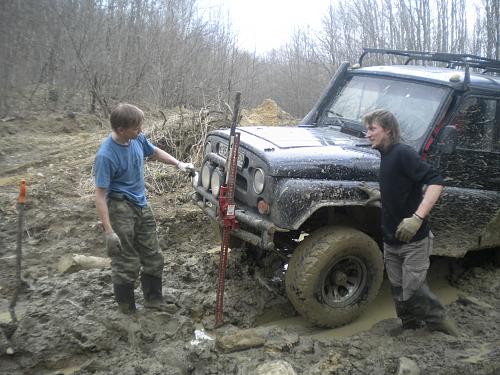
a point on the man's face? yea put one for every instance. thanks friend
(378, 136)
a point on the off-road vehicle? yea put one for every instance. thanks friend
(298, 188)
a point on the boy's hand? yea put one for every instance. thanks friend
(408, 228)
(185, 167)
(113, 244)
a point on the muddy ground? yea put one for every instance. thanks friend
(68, 323)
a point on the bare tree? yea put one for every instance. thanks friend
(89, 55)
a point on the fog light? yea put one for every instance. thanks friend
(258, 180)
(263, 207)
(216, 181)
(195, 179)
(206, 173)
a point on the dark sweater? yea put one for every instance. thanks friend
(402, 177)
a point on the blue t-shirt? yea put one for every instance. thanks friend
(120, 168)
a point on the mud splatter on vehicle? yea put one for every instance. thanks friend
(305, 180)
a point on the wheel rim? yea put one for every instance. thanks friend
(344, 282)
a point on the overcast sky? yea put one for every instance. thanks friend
(262, 25)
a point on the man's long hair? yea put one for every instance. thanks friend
(387, 121)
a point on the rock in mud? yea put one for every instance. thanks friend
(281, 341)
(240, 340)
(408, 366)
(278, 367)
(71, 263)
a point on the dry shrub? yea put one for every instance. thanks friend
(182, 134)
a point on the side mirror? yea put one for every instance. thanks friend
(447, 140)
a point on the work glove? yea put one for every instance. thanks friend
(408, 228)
(186, 167)
(373, 195)
(113, 244)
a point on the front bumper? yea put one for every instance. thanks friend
(262, 233)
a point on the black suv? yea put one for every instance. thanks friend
(297, 188)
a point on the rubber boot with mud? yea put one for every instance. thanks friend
(404, 312)
(124, 296)
(408, 320)
(427, 306)
(153, 295)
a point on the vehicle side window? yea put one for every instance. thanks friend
(477, 124)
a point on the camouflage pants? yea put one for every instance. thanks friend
(136, 228)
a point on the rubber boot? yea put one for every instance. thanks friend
(408, 319)
(403, 311)
(124, 296)
(153, 296)
(432, 312)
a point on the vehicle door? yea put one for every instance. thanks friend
(467, 215)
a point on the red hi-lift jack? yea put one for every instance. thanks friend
(227, 209)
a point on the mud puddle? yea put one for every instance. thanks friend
(20, 310)
(380, 309)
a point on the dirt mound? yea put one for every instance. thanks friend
(268, 113)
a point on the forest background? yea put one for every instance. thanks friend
(87, 55)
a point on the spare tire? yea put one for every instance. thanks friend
(333, 275)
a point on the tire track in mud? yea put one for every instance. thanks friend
(41, 158)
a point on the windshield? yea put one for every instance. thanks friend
(413, 104)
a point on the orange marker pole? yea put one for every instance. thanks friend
(21, 201)
(22, 192)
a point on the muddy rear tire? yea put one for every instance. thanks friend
(333, 275)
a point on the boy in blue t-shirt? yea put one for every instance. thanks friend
(129, 224)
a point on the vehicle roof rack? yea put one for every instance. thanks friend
(452, 59)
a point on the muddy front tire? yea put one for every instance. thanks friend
(333, 275)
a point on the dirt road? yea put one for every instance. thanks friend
(68, 323)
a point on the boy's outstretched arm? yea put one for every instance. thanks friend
(166, 158)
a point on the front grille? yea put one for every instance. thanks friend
(241, 183)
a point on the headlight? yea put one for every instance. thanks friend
(206, 173)
(208, 149)
(258, 180)
(194, 180)
(217, 181)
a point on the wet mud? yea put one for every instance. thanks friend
(69, 323)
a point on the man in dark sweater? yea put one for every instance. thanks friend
(406, 233)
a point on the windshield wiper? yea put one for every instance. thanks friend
(338, 115)
(353, 129)
(346, 126)
(325, 120)
(364, 144)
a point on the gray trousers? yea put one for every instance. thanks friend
(136, 228)
(406, 266)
